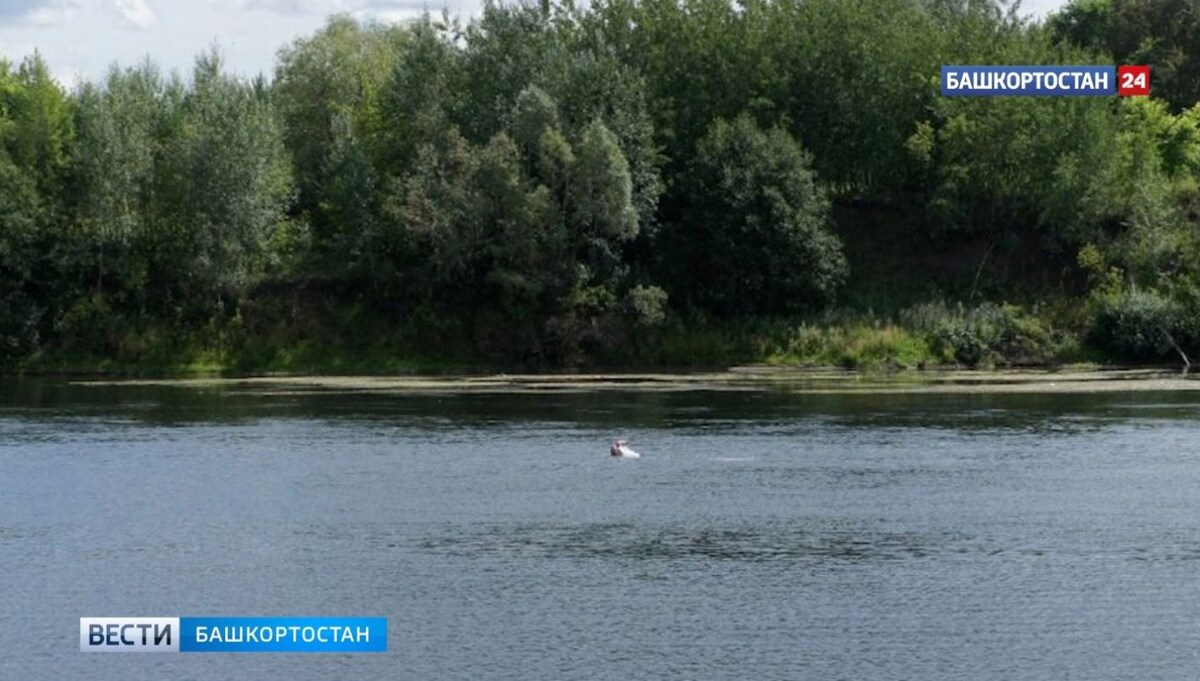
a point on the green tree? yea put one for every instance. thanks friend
(560, 52)
(120, 132)
(329, 90)
(602, 191)
(423, 95)
(755, 238)
(227, 179)
(35, 139)
(1162, 33)
(20, 312)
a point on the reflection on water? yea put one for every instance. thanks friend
(712, 410)
(765, 535)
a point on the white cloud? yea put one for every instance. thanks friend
(54, 14)
(295, 6)
(383, 9)
(67, 78)
(391, 16)
(137, 12)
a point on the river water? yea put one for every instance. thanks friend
(764, 535)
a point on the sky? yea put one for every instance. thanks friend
(80, 38)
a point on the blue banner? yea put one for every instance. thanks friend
(282, 634)
(1028, 81)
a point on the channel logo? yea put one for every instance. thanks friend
(1045, 81)
(129, 634)
(233, 634)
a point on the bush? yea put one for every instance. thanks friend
(647, 305)
(1133, 323)
(852, 346)
(987, 334)
(755, 237)
(958, 340)
(88, 327)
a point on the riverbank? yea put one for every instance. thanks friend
(747, 378)
(935, 338)
(919, 338)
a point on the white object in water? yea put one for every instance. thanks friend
(620, 449)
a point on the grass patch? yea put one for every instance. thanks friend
(857, 346)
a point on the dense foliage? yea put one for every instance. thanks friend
(551, 185)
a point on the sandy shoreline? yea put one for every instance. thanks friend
(750, 378)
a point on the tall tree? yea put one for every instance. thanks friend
(35, 139)
(227, 181)
(120, 136)
(329, 90)
(1162, 33)
(755, 237)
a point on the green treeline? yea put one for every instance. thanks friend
(637, 182)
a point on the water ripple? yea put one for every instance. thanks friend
(750, 544)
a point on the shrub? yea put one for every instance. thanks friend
(1132, 323)
(852, 346)
(986, 334)
(755, 237)
(88, 327)
(647, 305)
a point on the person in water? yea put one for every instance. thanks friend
(620, 448)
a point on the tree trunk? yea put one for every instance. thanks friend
(1187, 363)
